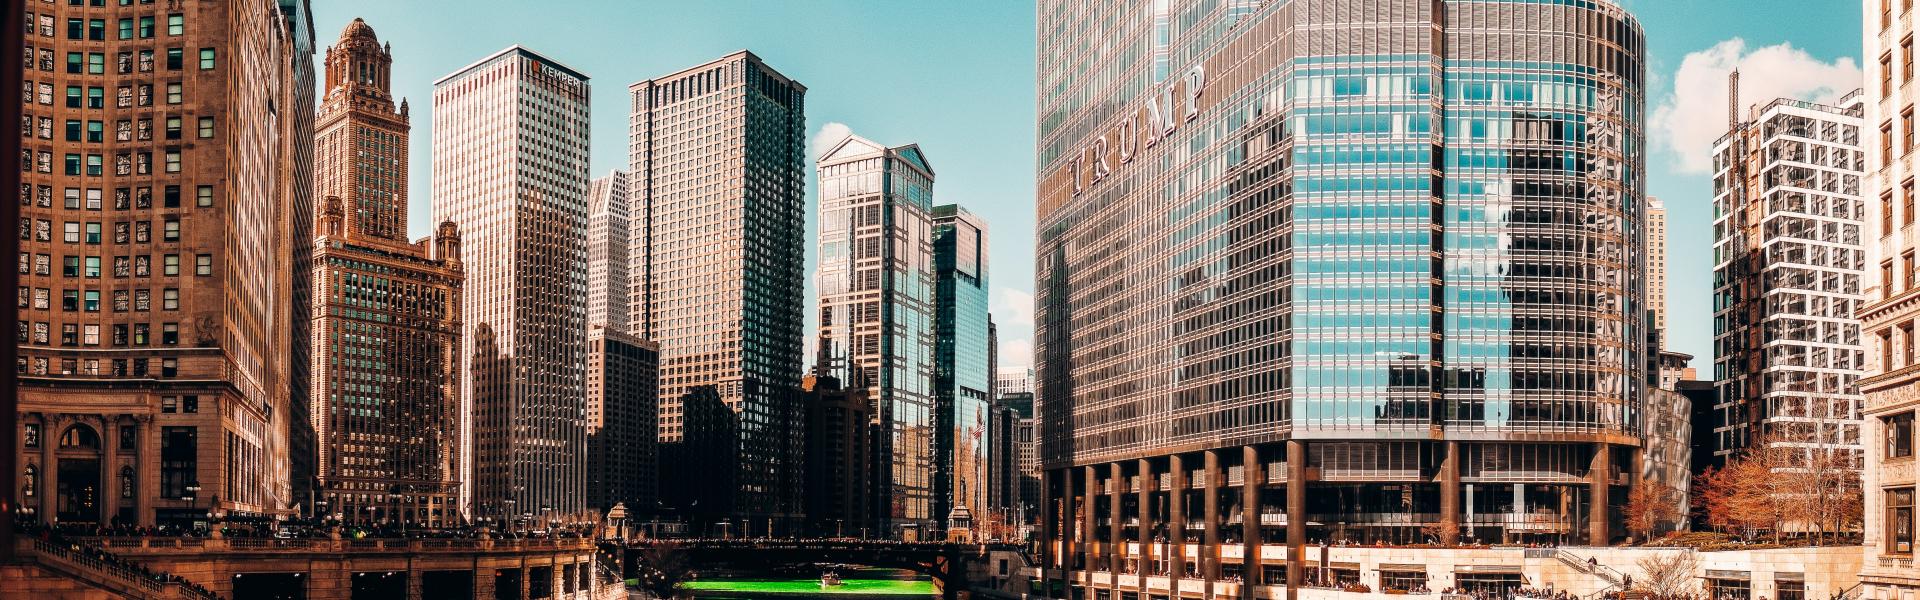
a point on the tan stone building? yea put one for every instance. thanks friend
(386, 313)
(158, 295)
(1892, 383)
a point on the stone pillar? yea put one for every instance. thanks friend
(1296, 517)
(1210, 532)
(1145, 532)
(109, 469)
(1450, 494)
(1116, 539)
(1177, 524)
(1089, 534)
(1068, 525)
(1252, 474)
(49, 488)
(482, 582)
(1598, 512)
(1046, 552)
(147, 472)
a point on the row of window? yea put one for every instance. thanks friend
(117, 367)
(123, 198)
(124, 335)
(95, 131)
(140, 300)
(79, 29)
(137, 266)
(94, 165)
(124, 232)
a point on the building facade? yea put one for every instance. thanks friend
(1012, 380)
(623, 409)
(1789, 260)
(161, 212)
(510, 166)
(385, 406)
(962, 378)
(608, 294)
(840, 456)
(1249, 221)
(718, 188)
(877, 319)
(1656, 271)
(1892, 305)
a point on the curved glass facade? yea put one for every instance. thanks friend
(1391, 245)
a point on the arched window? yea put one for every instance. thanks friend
(80, 436)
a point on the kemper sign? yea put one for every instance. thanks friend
(1165, 110)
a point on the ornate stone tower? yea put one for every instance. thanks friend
(386, 406)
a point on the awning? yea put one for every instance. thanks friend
(1489, 569)
(1721, 574)
(1403, 568)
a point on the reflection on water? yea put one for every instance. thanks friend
(865, 584)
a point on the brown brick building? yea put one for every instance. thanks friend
(160, 211)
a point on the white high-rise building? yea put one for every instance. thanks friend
(1013, 380)
(510, 165)
(607, 240)
(1788, 265)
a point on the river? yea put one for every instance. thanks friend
(856, 583)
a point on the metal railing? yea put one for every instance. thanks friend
(126, 575)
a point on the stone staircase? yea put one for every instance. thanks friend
(1616, 581)
(117, 577)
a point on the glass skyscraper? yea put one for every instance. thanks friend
(962, 381)
(876, 284)
(1333, 270)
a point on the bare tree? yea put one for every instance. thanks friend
(1669, 576)
(661, 569)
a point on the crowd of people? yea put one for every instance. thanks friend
(92, 553)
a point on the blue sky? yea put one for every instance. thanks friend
(957, 78)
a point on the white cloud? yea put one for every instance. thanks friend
(1016, 307)
(828, 135)
(1016, 353)
(1695, 114)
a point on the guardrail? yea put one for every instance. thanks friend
(125, 575)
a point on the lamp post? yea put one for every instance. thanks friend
(193, 494)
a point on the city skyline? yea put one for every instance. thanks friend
(984, 94)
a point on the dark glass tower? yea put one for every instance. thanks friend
(961, 378)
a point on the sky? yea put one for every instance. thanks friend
(957, 79)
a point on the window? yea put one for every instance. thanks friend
(170, 299)
(96, 63)
(203, 196)
(1900, 436)
(1886, 144)
(206, 59)
(179, 460)
(170, 231)
(203, 265)
(206, 127)
(170, 265)
(169, 334)
(175, 58)
(92, 303)
(1906, 59)
(176, 24)
(173, 160)
(173, 94)
(1899, 521)
(97, 29)
(172, 128)
(1906, 203)
(126, 33)
(146, 27)
(1906, 131)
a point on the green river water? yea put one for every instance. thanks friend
(858, 583)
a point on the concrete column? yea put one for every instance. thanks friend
(1177, 524)
(1597, 486)
(1067, 524)
(1046, 552)
(1252, 474)
(1450, 494)
(1088, 533)
(109, 469)
(1145, 532)
(1296, 517)
(1116, 539)
(49, 489)
(147, 471)
(1210, 533)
